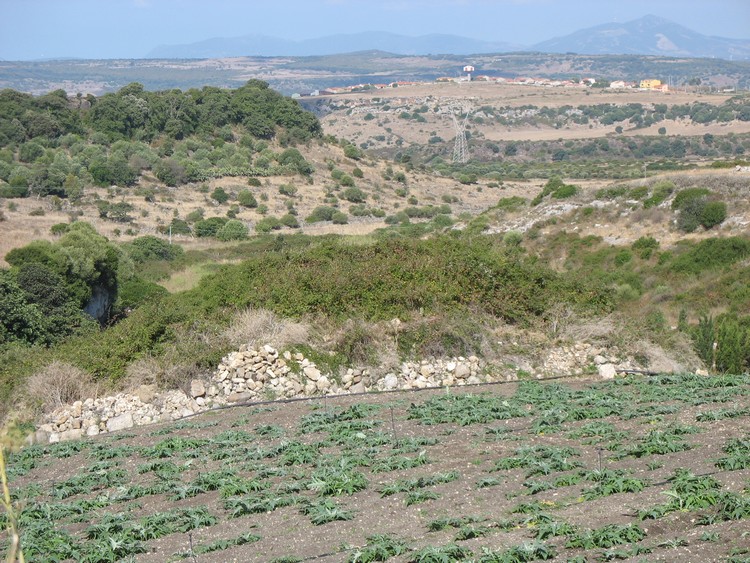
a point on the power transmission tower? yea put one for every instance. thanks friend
(461, 146)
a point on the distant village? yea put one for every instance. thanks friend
(650, 84)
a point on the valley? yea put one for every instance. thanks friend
(540, 353)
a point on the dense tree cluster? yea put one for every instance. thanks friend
(54, 290)
(55, 145)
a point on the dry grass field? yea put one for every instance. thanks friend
(348, 119)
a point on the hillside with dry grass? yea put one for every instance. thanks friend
(150, 239)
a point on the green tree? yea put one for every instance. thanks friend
(20, 321)
(209, 227)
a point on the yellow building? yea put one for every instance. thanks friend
(650, 84)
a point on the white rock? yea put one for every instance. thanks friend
(607, 371)
(197, 389)
(462, 371)
(358, 388)
(390, 381)
(312, 373)
(120, 422)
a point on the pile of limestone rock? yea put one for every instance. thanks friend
(250, 375)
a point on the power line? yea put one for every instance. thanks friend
(461, 146)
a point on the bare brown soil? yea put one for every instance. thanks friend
(471, 451)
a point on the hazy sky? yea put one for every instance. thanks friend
(31, 29)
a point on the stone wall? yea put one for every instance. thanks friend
(249, 375)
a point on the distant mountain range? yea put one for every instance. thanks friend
(649, 35)
(264, 46)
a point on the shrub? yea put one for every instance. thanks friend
(136, 291)
(321, 213)
(697, 211)
(293, 158)
(233, 230)
(686, 195)
(13, 191)
(59, 229)
(690, 215)
(645, 246)
(623, 257)
(209, 227)
(149, 247)
(267, 224)
(177, 227)
(339, 218)
(512, 239)
(30, 151)
(246, 199)
(565, 191)
(195, 216)
(287, 190)
(611, 193)
(660, 192)
(170, 172)
(290, 221)
(714, 213)
(350, 151)
(254, 182)
(357, 173)
(355, 195)
(219, 195)
(510, 203)
(712, 253)
(733, 345)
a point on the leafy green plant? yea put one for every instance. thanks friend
(441, 554)
(608, 536)
(380, 547)
(325, 511)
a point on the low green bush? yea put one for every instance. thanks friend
(711, 254)
(232, 230)
(659, 193)
(645, 246)
(687, 194)
(321, 213)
